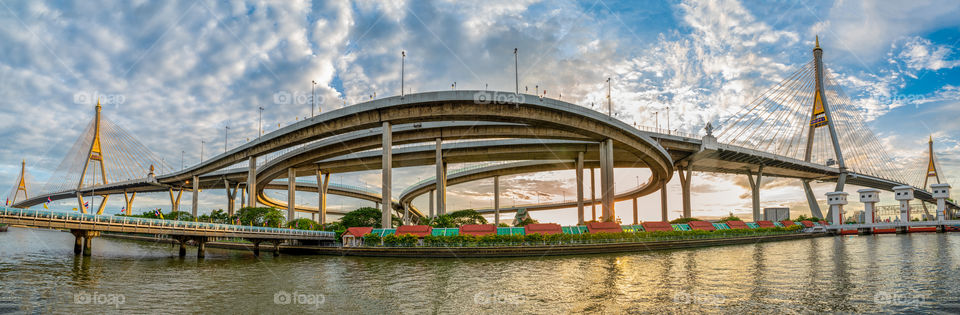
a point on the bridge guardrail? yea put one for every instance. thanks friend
(125, 220)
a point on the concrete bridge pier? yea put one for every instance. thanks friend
(386, 175)
(276, 248)
(231, 196)
(441, 179)
(755, 189)
(663, 201)
(432, 204)
(201, 246)
(636, 215)
(196, 196)
(607, 188)
(256, 246)
(580, 216)
(593, 195)
(175, 201)
(291, 194)
(84, 241)
(252, 182)
(685, 173)
(323, 181)
(496, 201)
(128, 199)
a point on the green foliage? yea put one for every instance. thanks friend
(503, 225)
(806, 218)
(730, 217)
(683, 220)
(455, 219)
(372, 239)
(406, 240)
(364, 217)
(303, 224)
(261, 216)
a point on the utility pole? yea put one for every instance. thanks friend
(609, 100)
(516, 70)
(226, 129)
(313, 99)
(657, 119)
(202, 143)
(403, 58)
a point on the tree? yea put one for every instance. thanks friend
(303, 224)
(455, 219)
(178, 216)
(263, 216)
(730, 217)
(526, 221)
(366, 216)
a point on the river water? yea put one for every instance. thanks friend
(876, 274)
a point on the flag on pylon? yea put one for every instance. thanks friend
(8, 202)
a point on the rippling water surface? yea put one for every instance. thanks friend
(885, 273)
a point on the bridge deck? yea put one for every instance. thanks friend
(106, 223)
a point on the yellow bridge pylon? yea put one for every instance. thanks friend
(94, 154)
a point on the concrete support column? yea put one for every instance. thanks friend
(276, 248)
(593, 195)
(580, 216)
(243, 197)
(291, 194)
(323, 182)
(441, 180)
(685, 174)
(432, 204)
(183, 247)
(869, 197)
(201, 247)
(755, 189)
(606, 181)
(252, 182)
(196, 195)
(175, 201)
(496, 200)
(78, 244)
(88, 245)
(386, 170)
(231, 197)
(128, 199)
(812, 200)
(636, 212)
(663, 200)
(256, 247)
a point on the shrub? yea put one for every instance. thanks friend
(371, 239)
(684, 220)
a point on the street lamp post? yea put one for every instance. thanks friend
(609, 101)
(202, 144)
(226, 129)
(403, 58)
(313, 99)
(516, 70)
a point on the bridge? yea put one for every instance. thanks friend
(804, 128)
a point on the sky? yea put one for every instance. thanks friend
(174, 74)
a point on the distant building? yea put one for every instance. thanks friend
(776, 214)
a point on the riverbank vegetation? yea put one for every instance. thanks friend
(565, 239)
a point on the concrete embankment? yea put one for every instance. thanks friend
(490, 251)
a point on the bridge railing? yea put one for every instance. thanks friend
(125, 220)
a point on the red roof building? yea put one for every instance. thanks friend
(701, 225)
(766, 224)
(542, 228)
(358, 231)
(418, 230)
(737, 225)
(604, 227)
(478, 229)
(807, 223)
(653, 226)
(787, 223)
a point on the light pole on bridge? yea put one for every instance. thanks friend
(225, 130)
(202, 143)
(403, 59)
(313, 98)
(181, 159)
(609, 100)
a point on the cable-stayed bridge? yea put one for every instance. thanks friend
(804, 128)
